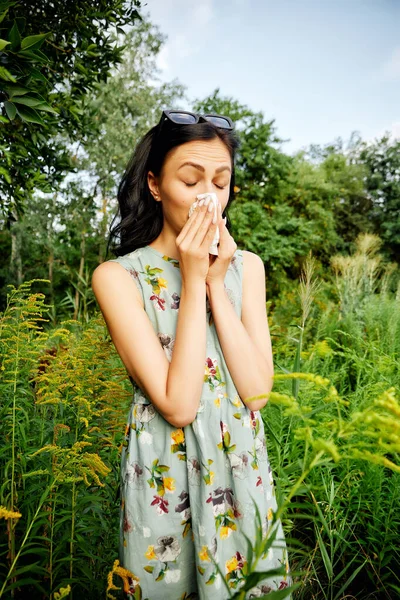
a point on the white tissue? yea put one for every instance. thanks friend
(213, 197)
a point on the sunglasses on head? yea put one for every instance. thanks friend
(183, 117)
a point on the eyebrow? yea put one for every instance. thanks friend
(200, 168)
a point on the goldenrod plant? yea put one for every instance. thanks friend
(332, 439)
(64, 400)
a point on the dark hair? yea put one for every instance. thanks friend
(141, 217)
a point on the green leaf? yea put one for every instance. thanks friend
(3, 44)
(47, 108)
(249, 555)
(30, 115)
(3, 15)
(26, 100)
(257, 576)
(281, 594)
(325, 556)
(15, 37)
(6, 75)
(10, 110)
(17, 90)
(34, 41)
(38, 76)
(34, 55)
(5, 174)
(37, 103)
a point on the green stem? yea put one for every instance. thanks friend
(26, 536)
(14, 410)
(71, 542)
(51, 546)
(292, 492)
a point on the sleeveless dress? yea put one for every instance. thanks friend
(186, 492)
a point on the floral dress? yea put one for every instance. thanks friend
(186, 493)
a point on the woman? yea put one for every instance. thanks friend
(192, 331)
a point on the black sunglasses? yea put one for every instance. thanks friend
(183, 117)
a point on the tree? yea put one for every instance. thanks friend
(382, 182)
(279, 211)
(51, 56)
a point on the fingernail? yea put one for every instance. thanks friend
(224, 220)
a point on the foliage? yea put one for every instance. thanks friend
(60, 466)
(382, 161)
(345, 516)
(61, 431)
(45, 79)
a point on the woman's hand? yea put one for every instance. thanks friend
(193, 243)
(226, 249)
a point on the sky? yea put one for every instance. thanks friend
(321, 69)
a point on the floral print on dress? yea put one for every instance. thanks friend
(167, 343)
(187, 492)
(225, 509)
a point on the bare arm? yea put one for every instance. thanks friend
(246, 343)
(186, 372)
(174, 388)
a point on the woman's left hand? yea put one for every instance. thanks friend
(226, 249)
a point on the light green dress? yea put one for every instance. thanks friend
(186, 492)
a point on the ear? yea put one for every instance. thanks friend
(153, 185)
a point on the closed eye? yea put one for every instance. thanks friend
(221, 187)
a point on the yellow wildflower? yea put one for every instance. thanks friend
(217, 401)
(63, 593)
(124, 574)
(269, 516)
(322, 348)
(211, 474)
(8, 514)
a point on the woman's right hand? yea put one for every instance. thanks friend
(194, 241)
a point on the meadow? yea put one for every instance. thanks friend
(331, 422)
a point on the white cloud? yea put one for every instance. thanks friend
(176, 47)
(391, 69)
(184, 25)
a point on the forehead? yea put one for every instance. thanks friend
(209, 153)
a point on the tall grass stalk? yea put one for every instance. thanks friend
(60, 431)
(308, 288)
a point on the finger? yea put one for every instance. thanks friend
(204, 226)
(191, 226)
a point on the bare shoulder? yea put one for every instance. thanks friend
(111, 275)
(254, 283)
(252, 262)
